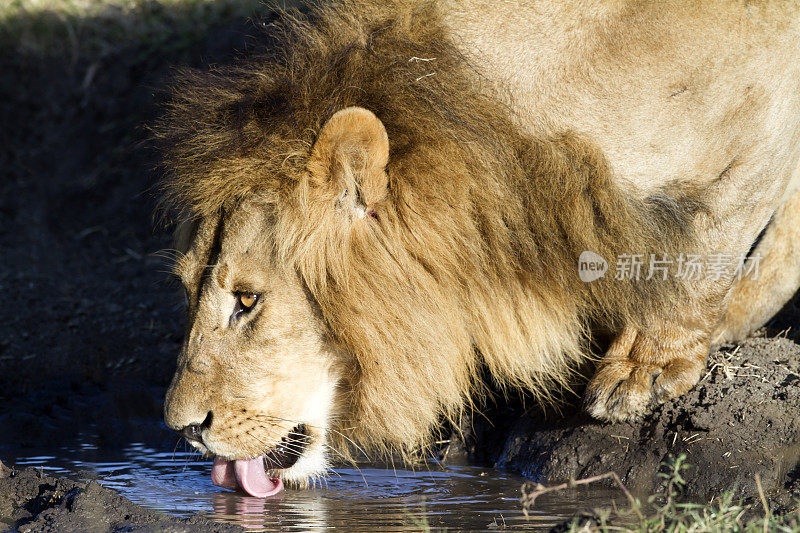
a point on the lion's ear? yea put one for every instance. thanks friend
(349, 158)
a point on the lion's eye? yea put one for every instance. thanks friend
(247, 300)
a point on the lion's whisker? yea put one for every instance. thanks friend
(352, 462)
(348, 439)
(175, 448)
(292, 448)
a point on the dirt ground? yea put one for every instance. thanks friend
(90, 325)
(742, 420)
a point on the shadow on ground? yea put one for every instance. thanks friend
(90, 324)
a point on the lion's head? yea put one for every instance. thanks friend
(304, 325)
(256, 372)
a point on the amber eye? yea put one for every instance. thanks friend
(247, 300)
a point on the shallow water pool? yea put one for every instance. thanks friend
(372, 498)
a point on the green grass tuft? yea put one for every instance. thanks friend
(666, 512)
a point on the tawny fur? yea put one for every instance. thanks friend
(472, 259)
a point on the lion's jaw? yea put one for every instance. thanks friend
(261, 383)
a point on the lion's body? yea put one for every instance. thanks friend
(519, 136)
(670, 92)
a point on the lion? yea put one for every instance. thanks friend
(391, 201)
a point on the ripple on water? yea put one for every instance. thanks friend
(372, 498)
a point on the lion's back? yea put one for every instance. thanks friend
(665, 89)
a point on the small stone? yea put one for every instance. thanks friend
(5, 471)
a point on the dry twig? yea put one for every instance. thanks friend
(531, 491)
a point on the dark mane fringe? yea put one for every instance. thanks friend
(478, 203)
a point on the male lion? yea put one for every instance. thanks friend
(392, 199)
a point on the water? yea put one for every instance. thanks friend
(373, 498)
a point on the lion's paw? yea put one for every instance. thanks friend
(620, 391)
(677, 378)
(624, 390)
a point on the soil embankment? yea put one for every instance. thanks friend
(742, 420)
(31, 501)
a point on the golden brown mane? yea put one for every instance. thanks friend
(479, 234)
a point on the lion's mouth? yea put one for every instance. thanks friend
(250, 475)
(289, 449)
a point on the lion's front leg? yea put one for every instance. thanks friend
(645, 367)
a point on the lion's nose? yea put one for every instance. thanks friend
(195, 431)
(192, 432)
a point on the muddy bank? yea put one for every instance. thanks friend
(743, 419)
(31, 501)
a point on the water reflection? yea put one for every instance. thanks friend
(380, 499)
(370, 499)
(274, 514)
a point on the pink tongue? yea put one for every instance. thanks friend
(248, 474)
